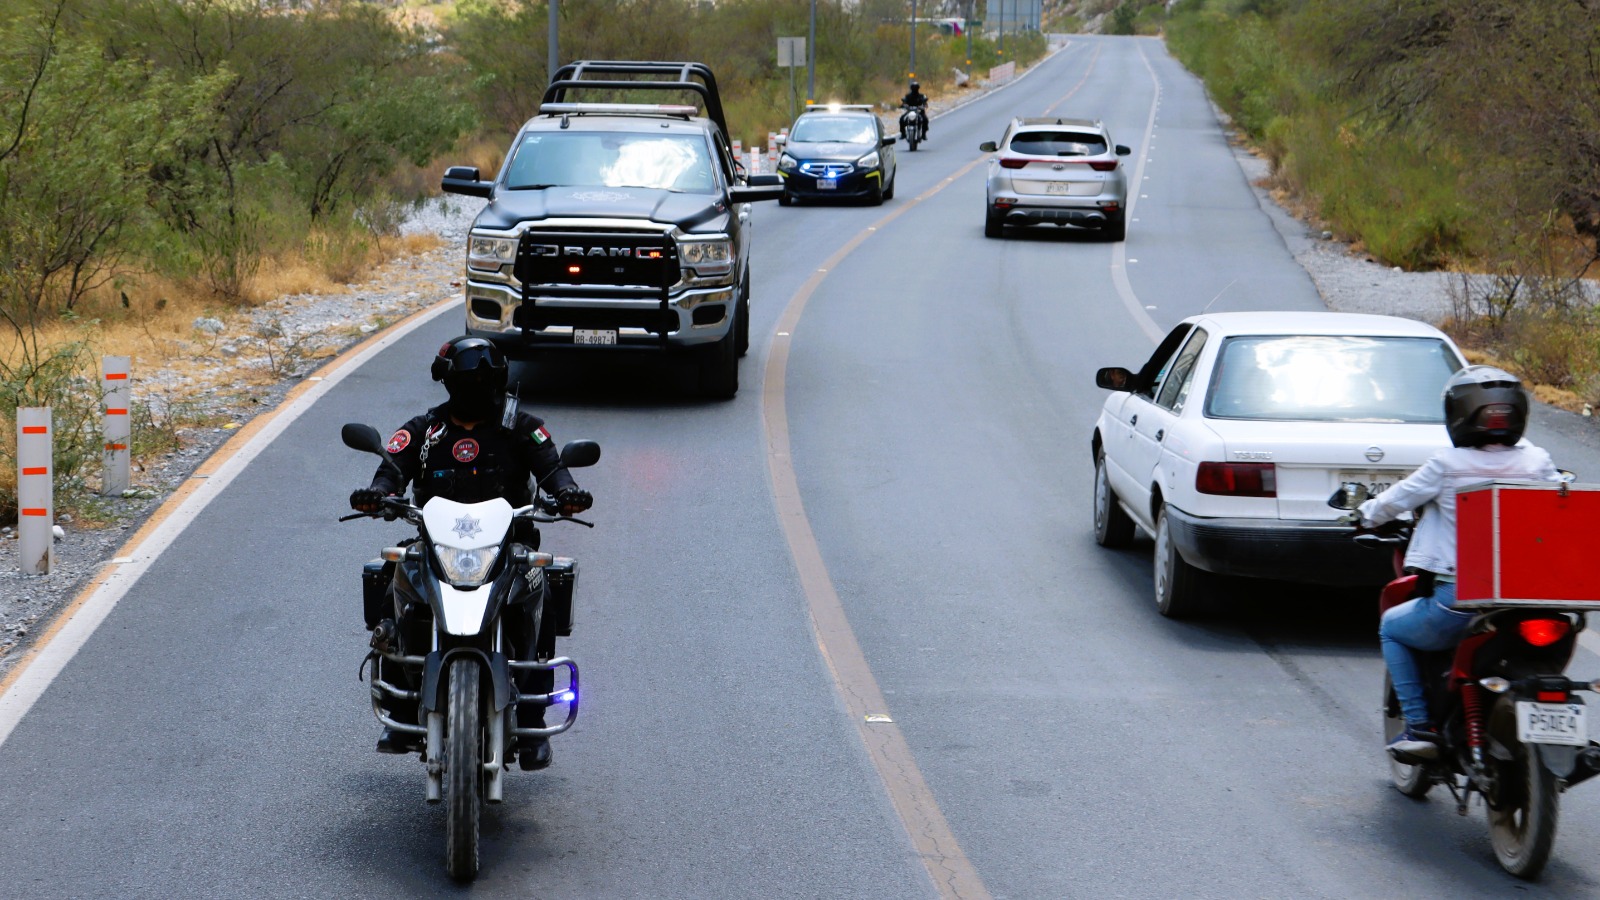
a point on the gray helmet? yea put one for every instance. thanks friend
(1484, 405)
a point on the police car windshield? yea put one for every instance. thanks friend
(611, 159)
(816, 129)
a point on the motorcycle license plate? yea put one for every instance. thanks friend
(1552, 723)
(827, 184)
(1376, 482)
(593, 336)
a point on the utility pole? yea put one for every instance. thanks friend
(913, 38)
(555, 51)
(968, 29)
(811, 58)
(1002, 29)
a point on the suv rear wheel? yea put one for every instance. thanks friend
(993, 225)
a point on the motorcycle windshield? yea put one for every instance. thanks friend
(466, 541)
(466, 526)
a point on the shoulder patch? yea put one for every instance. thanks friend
(540, 436)
(465, 450)
(400, 441)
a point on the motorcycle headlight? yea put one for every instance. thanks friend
(870, 161)
(786, 163)
(466, 567)
(490, 252)
(707, 257)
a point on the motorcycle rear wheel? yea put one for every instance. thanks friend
(1413, 781)
(1523, 829)
(463, 770)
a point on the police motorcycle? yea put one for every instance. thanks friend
(1513, 727)
(456, 579)
(914, 125)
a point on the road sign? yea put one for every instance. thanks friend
(791, 52)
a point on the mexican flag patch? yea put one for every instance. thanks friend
(540, 435)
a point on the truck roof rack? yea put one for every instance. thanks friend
(623, 75)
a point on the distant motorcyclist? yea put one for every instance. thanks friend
(474, 447)
(916, 100)
(1485, 413)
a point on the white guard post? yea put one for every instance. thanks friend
(117, 475)
(36, 550)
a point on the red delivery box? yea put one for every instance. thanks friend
(1522, 543)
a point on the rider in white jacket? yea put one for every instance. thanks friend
(1486, 411)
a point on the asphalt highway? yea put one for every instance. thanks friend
(1059, 738)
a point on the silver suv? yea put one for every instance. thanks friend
(1055, 171)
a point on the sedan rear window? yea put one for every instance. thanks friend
(1058, 143)
(1321, 378)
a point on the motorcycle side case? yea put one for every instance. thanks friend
(561, 576)
(375, 606)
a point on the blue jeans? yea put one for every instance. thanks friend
(1426, 623)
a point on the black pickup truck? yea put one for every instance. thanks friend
(617, 226)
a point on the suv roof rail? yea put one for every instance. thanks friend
(622, 75)
(1057, 120)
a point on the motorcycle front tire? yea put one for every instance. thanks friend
(1523, 829)
(1413, 781)
(463, 770)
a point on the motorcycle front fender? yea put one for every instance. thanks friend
(433, 667)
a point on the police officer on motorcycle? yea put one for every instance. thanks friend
(916, 100)
(474, 447)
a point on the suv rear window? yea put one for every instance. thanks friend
(1058, 143)
(611, 159)
(1323, 378)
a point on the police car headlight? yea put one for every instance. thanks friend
(870, 161)
(490, 252)
(466, 567)
(707, 257)
(786, 163)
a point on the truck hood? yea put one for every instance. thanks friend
(691, 212)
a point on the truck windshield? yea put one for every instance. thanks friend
(611, 159)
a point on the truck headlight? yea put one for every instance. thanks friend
(786, 163)
(485, 252)
(707, 257)
(870, 161)
(466, 567)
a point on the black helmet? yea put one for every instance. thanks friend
(915, 86)
(474, 372)
(1484, 405)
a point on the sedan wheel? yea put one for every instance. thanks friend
(1181, 589)
(1112, 526)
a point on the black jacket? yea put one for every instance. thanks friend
(916, 99)
(473, 465)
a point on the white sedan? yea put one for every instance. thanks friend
(1227, 443)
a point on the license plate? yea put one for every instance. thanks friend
(1552, 723)
(827, 184)
(593, 336)
(1057, 187)
(1376, 483)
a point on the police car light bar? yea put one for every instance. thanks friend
(627, 109)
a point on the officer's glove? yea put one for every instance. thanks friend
(1353, 519)
(573, 500)
(367, 500)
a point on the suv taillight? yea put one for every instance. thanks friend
(1107, 166)
(1013, 163)
(1237, 479)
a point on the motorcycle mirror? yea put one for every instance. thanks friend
(358, 436)
(577, 454)
(1350, 495)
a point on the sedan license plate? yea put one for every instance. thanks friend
(593, 336)
(1552, 723)
(1376, 483)
(1058, 187)
(827, 184)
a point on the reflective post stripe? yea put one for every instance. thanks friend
(36, 550)
(117, 461)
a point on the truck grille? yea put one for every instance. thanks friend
(554, 259)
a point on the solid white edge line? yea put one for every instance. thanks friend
(1119, 253)
(41, 670)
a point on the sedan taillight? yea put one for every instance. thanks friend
(1237, 479)
(1013, 163)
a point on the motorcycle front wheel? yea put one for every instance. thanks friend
(1523, 827)
(1413, 781)
(463, 770)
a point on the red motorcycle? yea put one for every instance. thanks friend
(1512, 726)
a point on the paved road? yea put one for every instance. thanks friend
(211, 740)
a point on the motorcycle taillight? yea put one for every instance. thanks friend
(1543, 632)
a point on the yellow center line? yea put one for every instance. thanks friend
(953, 874)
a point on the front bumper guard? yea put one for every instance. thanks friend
(385, 693)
